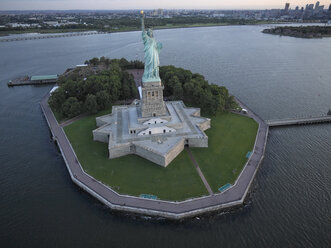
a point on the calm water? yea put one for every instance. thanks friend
(278, 77)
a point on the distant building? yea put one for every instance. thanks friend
(18, 25)
(330, 7)
(310, 6)
(218, 15)
(51, 23)
(287, 6)
(318, 7)
(158, 12)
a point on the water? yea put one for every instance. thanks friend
(278, 77)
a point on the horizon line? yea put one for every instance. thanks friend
(138, 9)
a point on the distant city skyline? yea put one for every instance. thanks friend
(150, 4)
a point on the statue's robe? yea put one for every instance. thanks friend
(152, 62)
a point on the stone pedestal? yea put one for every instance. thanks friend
(152, 99)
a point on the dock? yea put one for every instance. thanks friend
(33, 80)
(299, 121)
(39, 37)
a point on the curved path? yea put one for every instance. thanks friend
(196, 165)
(174, 210)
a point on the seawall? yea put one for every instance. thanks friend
(234, 196)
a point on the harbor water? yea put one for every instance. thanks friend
(278, 77)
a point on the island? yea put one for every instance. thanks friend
(301, 31)
(154, 140)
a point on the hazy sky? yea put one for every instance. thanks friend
(149, 4)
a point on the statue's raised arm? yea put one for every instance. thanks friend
(151, 50)
(142, 21)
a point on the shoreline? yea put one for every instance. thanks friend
(197, 25)
(304, 32)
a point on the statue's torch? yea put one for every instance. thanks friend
(142, 20)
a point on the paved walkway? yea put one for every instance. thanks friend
(68, 122)
(137, 75)
(199, 171)
(174, 210)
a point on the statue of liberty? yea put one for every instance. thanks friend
(151, 50)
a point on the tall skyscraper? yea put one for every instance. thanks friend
(330, 7)
(317, 5)
(287, 6)
(311, 6)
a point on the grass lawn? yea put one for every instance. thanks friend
(230, 137)
(132, 174)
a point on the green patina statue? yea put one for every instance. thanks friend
(151, 50)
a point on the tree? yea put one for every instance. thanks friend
(133, 87)
(115, 77)
(103, 99)
(93, 89)
(91, 104)
(126, 89)
(72, 107)
(93, 85)
(188, 90)
(231, 103)
(94, 61)
(73, 88)
(56, 100)
(178, 91)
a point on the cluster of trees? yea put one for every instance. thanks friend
(123, 63)
(302, 31)
(105, 81)
(91, 89)
(180, 84)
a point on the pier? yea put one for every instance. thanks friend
(39, 37)
(299, 121)
(34, 80)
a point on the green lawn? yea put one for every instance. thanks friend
(230, 138)
(132, 174)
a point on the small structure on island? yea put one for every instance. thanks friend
(149, 127)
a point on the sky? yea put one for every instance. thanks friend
(149, 4)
